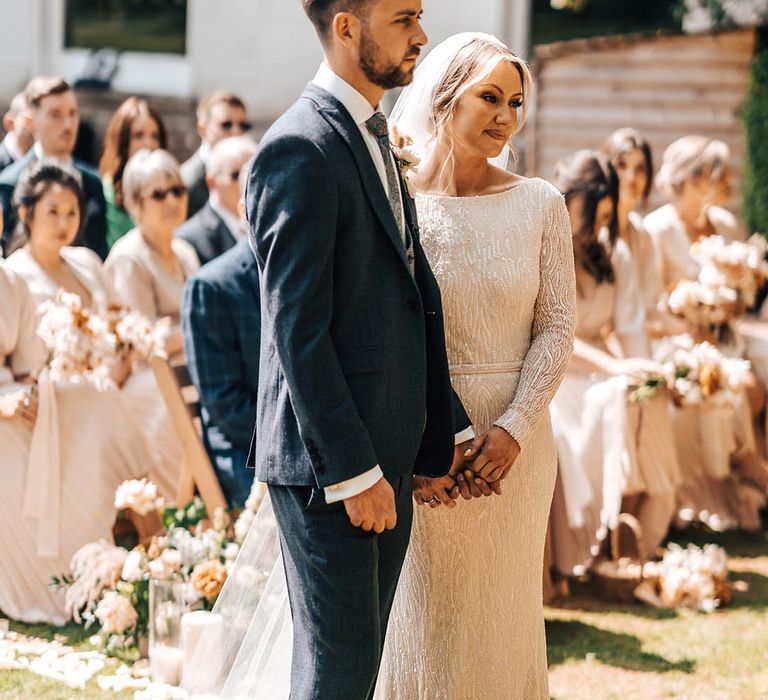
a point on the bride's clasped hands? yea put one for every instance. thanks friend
(479, 467)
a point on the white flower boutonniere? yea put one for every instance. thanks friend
(408, 158)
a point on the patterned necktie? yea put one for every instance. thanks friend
(377, 125)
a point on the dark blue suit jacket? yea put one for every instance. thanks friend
(221, 321)
(207, 233)
(353, 368)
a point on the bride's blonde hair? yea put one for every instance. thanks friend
(473, 63)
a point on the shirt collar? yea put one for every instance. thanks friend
(12, 146)
(231, 221)
(204, 152)
(358, 107)
(38, 149)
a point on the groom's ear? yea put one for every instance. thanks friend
(345, 29)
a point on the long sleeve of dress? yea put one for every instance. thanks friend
(553, 328)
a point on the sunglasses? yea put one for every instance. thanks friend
(177, 191)
(229, 125)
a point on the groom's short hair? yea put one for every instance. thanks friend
(322, 12)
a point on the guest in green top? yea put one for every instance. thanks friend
(134, 126)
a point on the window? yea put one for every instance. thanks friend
(151, 26)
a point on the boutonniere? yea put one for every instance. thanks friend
(407, 157)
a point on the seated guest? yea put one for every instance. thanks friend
(49, 200)
(695, 175)
(85, 441)
(48, 264)
(219, 115)
(54, 116)
(217, 226)
(600, 461)
(630, 155)
(19, 137)
(148, 267)
(133, 127)
(221, 318)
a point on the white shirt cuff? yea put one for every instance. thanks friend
(352, 487)
(464, 435)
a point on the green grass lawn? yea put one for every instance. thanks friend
(598, 651)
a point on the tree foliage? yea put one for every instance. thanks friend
(755, 118)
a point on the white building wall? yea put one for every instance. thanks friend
(265, 50)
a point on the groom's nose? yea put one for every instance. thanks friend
(421, 38)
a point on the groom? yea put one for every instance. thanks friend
(354, 393)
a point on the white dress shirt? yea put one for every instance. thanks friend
(12, 145)
(40, 155)
(361, 111)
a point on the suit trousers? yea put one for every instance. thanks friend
(341, 584)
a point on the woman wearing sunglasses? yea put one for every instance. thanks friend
(148, 266)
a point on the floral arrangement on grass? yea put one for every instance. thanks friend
(84, 346)
(694, 577)
(108, 589)
(730, 274)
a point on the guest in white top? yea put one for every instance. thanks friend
(607, 463)
(82, 440)
(148, 266)
(695, 175)
(48, 200)
(630, 155)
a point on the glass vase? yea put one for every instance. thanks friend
(167, 603)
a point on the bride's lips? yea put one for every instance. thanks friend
(497, 135)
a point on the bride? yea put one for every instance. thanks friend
(468, 618)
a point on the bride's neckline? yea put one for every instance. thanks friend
(520, 184)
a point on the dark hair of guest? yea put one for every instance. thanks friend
(36, 182)
(625, 140)
(117, 140)
(589, 177)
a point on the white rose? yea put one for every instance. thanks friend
(133, 568)
(166, 565)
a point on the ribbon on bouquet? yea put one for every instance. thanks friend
(42, 492)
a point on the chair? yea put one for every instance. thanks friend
(182, 400)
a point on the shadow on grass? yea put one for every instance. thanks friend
(571, 639)
(74, 633)
(737, 543)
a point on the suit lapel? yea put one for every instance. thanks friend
(338, 117)
(216, 223)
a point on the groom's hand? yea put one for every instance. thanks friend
(373, 509)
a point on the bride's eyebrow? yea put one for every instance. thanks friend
(499, 90)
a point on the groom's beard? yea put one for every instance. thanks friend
(381, 73)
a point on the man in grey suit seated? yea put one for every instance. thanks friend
(219, 115)
(19, 137)
(218, 226)
(221, 321)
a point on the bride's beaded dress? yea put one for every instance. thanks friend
(468, 620)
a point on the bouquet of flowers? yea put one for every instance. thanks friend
(730, 275)
(84, 345)
(698, 372)
(693, 577)
(109, 585)
(78, 342)
(695, 373)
